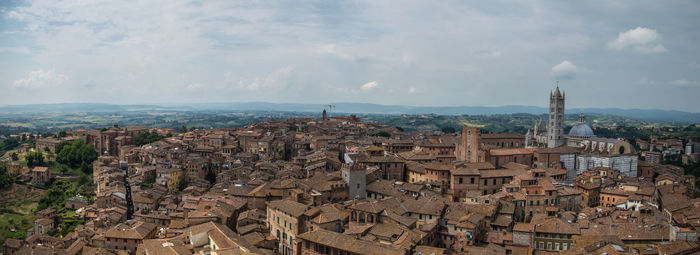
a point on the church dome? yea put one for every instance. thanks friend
(581, 130)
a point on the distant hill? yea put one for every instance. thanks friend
(650, 115)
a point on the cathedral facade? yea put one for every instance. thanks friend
(583, 149)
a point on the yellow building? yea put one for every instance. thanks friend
(176, 177)
(415, 172)
(170, 178)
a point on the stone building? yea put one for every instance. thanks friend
(473, 143)
(128, 235)
(356, 178)
(40, 175)
(285, 221)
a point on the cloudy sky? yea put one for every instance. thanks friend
(630, 54)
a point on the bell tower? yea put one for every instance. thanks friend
(555, 127)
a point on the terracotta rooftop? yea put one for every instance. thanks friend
(348, 243)
(131, 230)
(513, 151)
(290, 207)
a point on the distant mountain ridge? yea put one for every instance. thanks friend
(651, 115)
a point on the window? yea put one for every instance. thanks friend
(545, 201)
(460, 180)
(485, 183)
(564, 246)
(541, 245)
(472, 180)
(494, 181)
(556, 246)
(549, 246)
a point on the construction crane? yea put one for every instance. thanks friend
(330, 109)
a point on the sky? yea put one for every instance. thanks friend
(623, 54)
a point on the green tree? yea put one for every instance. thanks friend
(183, 185)
(5, 179)
(56, 194)
(146, 137)
(383, 134)
(9, 144)
(35, 158)
(83, 179)
(448, 129)
(85, 168)
(63, 168)
(211, 176)
(76, 153)
(14, 156)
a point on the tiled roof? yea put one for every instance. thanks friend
(131, 230)
(348, 243)
(290, 207)
(513, 151)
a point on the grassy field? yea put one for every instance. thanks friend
(17, 210)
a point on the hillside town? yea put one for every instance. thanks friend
(338, 185)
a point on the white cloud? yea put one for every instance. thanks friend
(685, 83)
(274, 81)
(645, 82)
(411, 90)
(41, 79)
(370, 85)
(564, 70)
(640, 39)
(194, 86)
(142, 48)
(20, 50)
